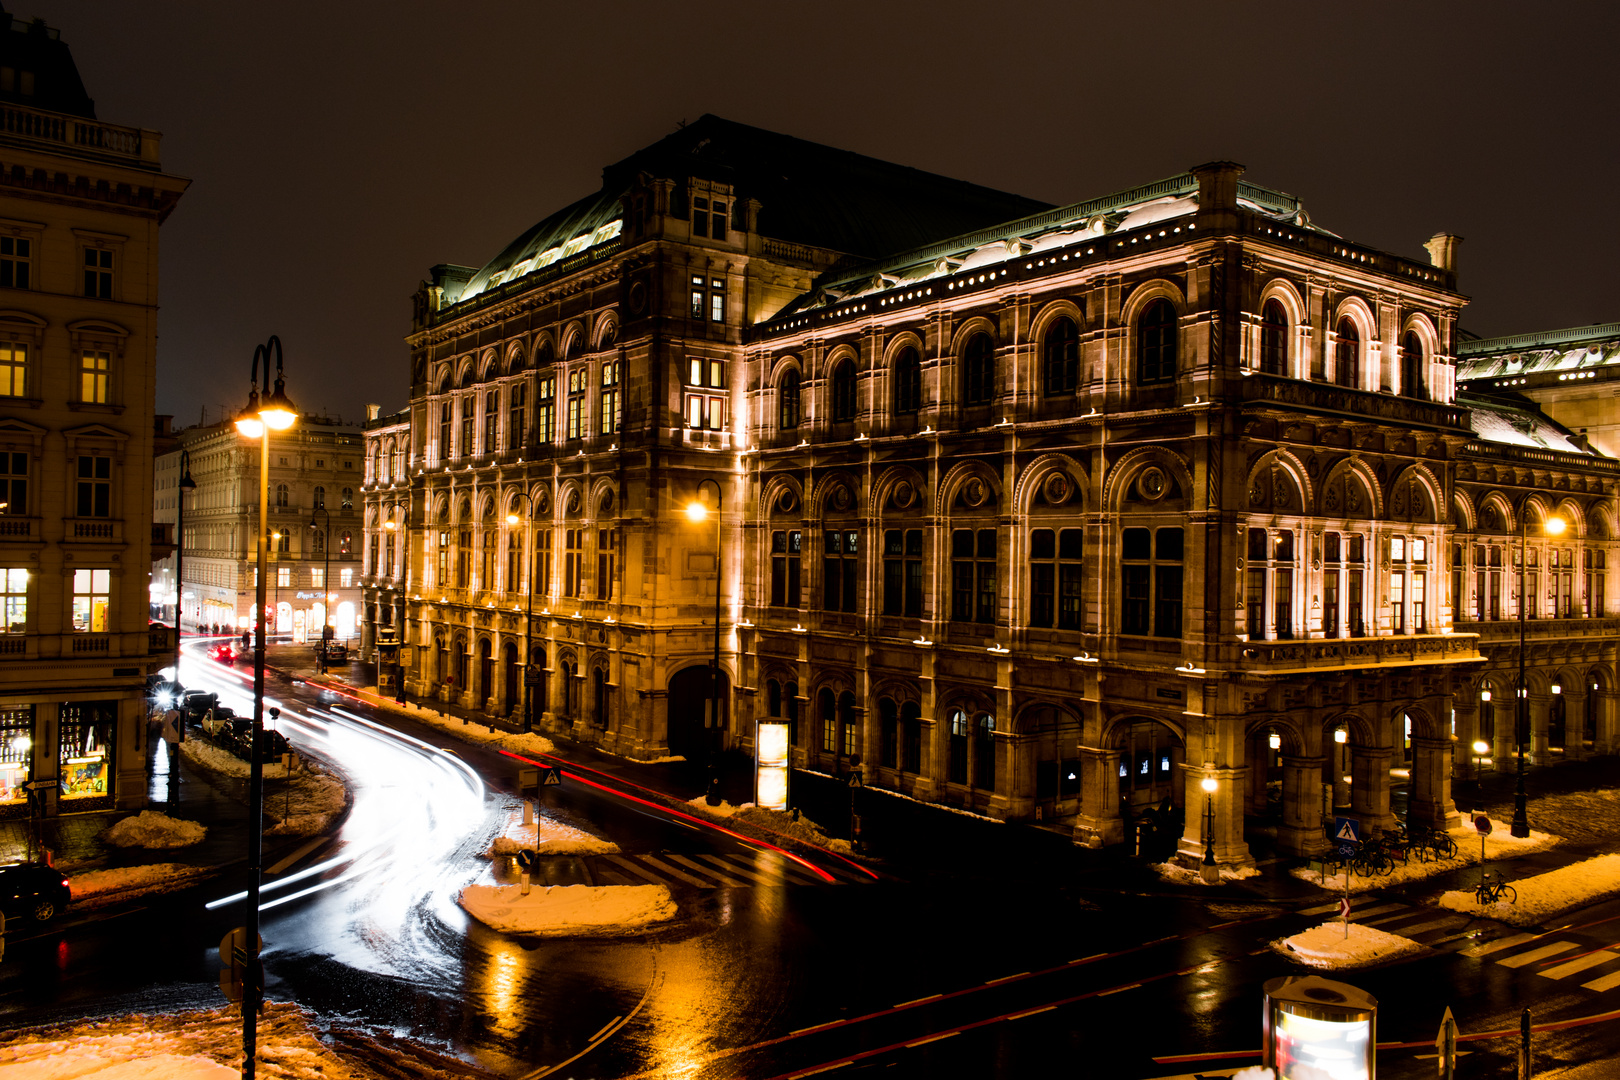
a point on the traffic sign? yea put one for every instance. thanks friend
(1344, 907)
(1347, 834)
(240, 964)
(40, 785)
(551, 777)
(1483, 825)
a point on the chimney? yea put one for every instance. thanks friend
(1443, 251)
(1217, 185)
(373, 411)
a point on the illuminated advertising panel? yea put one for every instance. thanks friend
(772, 779)
(1316, 1029)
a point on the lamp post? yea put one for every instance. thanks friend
(1210, 873)
(528, 614)
(264, 414)
(1553, 526)
(186, 484)
(696, 511)
(326, 581)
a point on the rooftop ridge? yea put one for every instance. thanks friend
(1569, 336)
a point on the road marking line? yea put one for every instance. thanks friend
(1425, 927)
(817, 1027)
(1380, 910)
(1031, 1012)
(931, 1038)
(735, 883)
(1118, 990)
(1498, 945)
(1321, 910)
(824, 1068)
(303, 849)
(1607, 982)
(641, 872)
(1005, 978)
(605, 1026)
(653, 860)
(1537, 954)
(1157, 940)
(1088, 959)
(1581, 963)
(918, 1001)
(1232, 922)
(752, 875)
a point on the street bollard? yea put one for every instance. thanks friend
(525, 880)
(528, 812)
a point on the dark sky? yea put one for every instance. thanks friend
(338, 150)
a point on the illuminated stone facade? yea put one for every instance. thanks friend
(80, 205)
(1050, 520)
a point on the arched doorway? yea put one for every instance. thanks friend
(1147, 759)
(538, 686)
(486, 671)
(599, 697)
(689, 692)
(1051, 765)
(460, 660)
(510, 697)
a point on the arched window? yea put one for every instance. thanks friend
(1273, 339)
(907, 382)
(843, 392)
(958, 724)
(348, 498)
(599, 698)
(281, 496)
(789, 402)
(1061, 357)
(1347, 354)
(888, 732)
(911, 737)
(320, 498)
(827, 706)
(345, 544)
(851, 730)
(1156, 344)
(978, 370)
(984, 752)
(1412, 384)
(317, 541)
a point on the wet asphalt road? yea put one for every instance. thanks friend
(972, 961)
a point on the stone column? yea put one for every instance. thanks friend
(1301, 830)
(1464, 766)
(1535, 750)
(1575, 723)
(1231, 849)
(1501, 738)
(1254, 795)
(1431, 803)
(1606, 743)
(1099, 822)
(1369, 788)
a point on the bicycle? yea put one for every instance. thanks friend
(1372, 859)
(1488, 892)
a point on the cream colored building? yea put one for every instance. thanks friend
(80, 205)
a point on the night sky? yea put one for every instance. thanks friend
(338, 150)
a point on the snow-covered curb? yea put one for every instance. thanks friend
(1327, 947)
(775, 822)
(154, 829)
(97, 888)
(1180, 875)
(472, 731)
(1545, 895)
(568, 910)
(200, 1045)
(202, 754)
(547, 837)
(1500, 844)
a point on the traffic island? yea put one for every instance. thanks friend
(1545, 896)
(568, 910)
(305, 803)
(1329, 947)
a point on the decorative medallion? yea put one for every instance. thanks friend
(1152, 483)
(787, 502)
(1057, 488)
(974, 492)
(904, 495)
(571, 503)
(840, 498)
(638, 298)
(606, 503)
(542, 501)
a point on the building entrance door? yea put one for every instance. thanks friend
(688, 705)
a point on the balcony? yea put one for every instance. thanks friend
(19, 528)
(79, 136)
(1319, 397)
(1500, 630)
(162, 540)
(160, 640)
(1327, 654)
(105, 530)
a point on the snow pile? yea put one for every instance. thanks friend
(775, 822)
(1254, 1072)
(1327, 947)
(548, 838)
(1180, 875)
(199, 1045)
(128, 882)
(568, 909)
(1500, 844)
(472, 732)
(1545, 895)
(203, 754)
(154, 829)
(316, 797)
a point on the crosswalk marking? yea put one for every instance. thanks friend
(791, 872)
(707, 871)
(1498, 945)
(1537, 954)
(1606, 982)
(1321, 910)
(726, 879)
(637, 869)
(1425, 927)
(1361, 916)
(1397, 917)
(1580, 963)
(758, 877)
(658, 864)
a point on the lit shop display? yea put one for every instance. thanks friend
(87, 740)
(773, 766)
(1316, 1029)
(16, 753)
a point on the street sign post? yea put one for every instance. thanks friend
(240, 965)
(1445, 1046)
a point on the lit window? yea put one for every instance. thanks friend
(15, 599)
(576, 403)
(13, 369)
(94, 370)
(545, 416)
(92, 592)
(610, 397)
(284, 576)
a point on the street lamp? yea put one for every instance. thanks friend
(528, 613)
(696, 511)
(1553, 526)
(1210, 873)
(271, 411)
(326, 581)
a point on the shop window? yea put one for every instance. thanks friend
(86, 737)
(16, 753)
(92, 594)
(1056, 578)
(903, 572)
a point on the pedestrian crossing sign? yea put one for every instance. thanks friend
(551, 777)
(1347, 830)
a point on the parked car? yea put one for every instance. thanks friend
(33, 889)
(336, 652)
(272, 744)
(196, 703)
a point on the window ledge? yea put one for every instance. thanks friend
(23, 402)
(92, 407)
